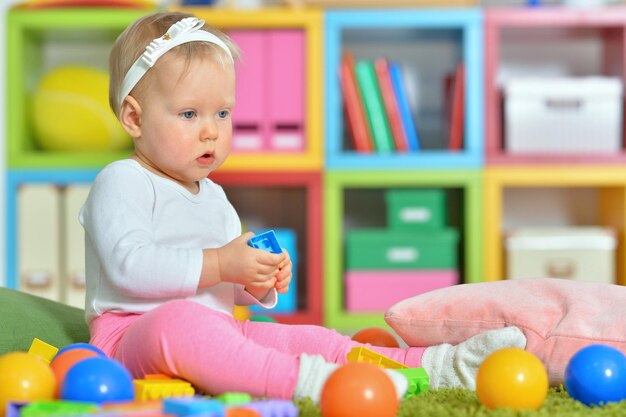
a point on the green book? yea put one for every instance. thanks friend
(374, 107)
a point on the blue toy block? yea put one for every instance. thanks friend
(266, 241)
(182, 407)
(287, 303)
(13, 408)
(274, 408)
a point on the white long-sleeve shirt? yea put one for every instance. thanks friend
(144, 236)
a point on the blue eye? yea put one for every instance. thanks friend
(188, 114)
(223, 114)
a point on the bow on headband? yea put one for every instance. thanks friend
(183, 31)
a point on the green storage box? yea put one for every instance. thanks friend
(395, 249)
(416, 209)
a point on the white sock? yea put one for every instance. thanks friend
(456, 366)
(314, 371)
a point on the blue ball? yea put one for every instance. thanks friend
(83, 346)
(98, 380)
(596, 375)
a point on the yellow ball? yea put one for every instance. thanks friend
(24, 377)
(71, 112)
(512, 378)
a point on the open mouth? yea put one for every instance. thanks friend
(206, 158)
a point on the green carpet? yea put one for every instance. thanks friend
(463, 403)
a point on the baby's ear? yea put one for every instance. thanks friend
(130, 117)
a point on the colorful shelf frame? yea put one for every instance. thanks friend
(610, 23)
(26, 32)
(611, 183)
(311, 21)
(311, 279)
(469, 22)
(469, 181)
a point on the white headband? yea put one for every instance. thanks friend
(183, 31)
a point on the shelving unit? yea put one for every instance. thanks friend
(325, 189)
(465, 187)
(408, 36)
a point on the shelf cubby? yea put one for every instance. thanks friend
(60, 243)
(548, 41)
(310, 22)
(268, 200)
(602, 202)
(355, 199)
(412, 38)
(38, 41)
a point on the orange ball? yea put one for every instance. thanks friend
(376, 336)
(24, 377)
(62, 363)
(358, 389)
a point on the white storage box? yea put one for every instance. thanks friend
(563, 115)
(577, 253)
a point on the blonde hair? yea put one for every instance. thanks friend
(132, 43)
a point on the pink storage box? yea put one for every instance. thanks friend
(379, 290)
(270, 111)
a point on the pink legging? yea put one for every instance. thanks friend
(217, 353)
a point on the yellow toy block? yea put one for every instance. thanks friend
(362, 354)
(43, 350)
(156, 389)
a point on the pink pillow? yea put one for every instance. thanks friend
(558, 316)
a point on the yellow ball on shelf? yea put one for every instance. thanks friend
(71, 112)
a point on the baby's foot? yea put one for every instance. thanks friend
(456, 366)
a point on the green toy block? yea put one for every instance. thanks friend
(234, 398)
(418, 381)
(57, 408)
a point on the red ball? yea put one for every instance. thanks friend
(62, 363)
(359, 389)
(376, 336)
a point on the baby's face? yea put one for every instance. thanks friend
(186, 125)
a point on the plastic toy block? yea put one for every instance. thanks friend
(362, 354)
(419, 381)
(133, 407)
(43, 350)
(57, 409)
(13, 408)
(183, 407)
(267, 241)
(274, 408)
(156, 376)
(234, 398)
(241, 412)
(155, 389)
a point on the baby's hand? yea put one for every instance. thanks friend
(250, 267)
(283, 276)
